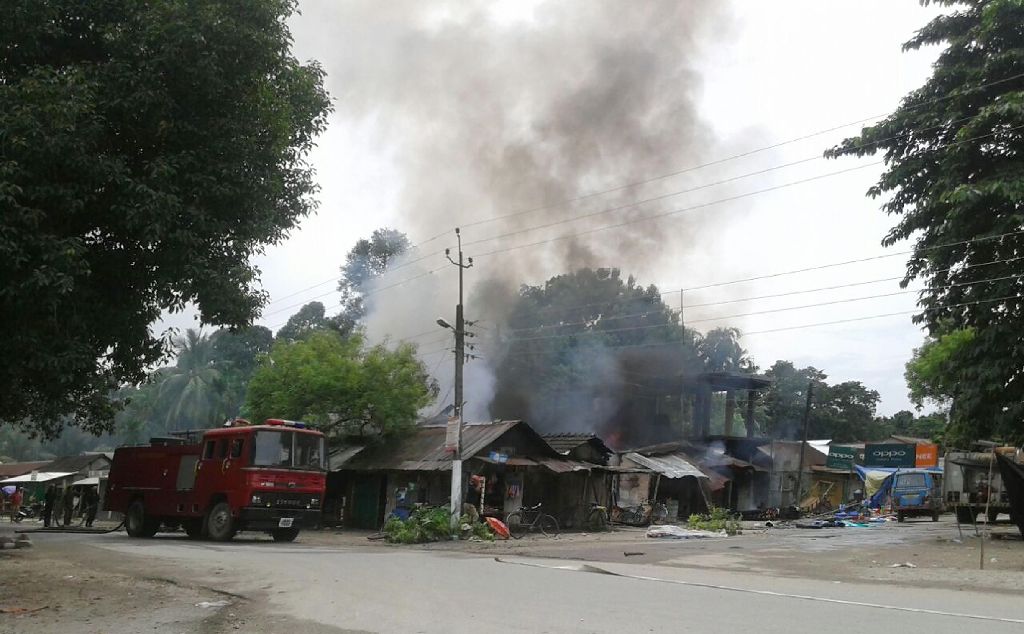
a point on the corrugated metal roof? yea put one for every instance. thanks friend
(566, 442)
(11, 469)
(423, 449)
(339, 457)
(672, 465)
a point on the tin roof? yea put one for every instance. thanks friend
(11, 469)
(565, 442)
(423, 449)
(672, 465)
(74, 464)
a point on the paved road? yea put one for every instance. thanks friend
(397, 590)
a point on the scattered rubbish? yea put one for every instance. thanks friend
(17, 610)
(905, 564)
(630, 553)
(993, 560)
(69, 576)
(376, 537)
(668, 531)
(213, 604)
(768, 525)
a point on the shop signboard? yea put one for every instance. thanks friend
(840, 457)
(927, 455)
(890, 455)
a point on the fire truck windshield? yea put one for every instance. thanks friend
(288, 450)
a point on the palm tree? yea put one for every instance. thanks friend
(193, 393)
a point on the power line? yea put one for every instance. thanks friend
(785, 328)
(749, 314)
(673, 212)
(817, 268)
(676, 173)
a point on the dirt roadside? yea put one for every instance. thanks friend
(63, 586)
(69, 580)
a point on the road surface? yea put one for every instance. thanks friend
(296, 587)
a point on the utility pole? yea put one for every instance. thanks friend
(803, 446)
(460, 360)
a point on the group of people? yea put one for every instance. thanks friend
(59, 504)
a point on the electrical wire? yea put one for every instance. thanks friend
(744, 154)
(787, 328)
(749, 314)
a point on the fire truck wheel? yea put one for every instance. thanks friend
(993, 515)
(137, 523)
(220, 526)
(284, 534)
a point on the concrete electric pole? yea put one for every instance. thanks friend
(460, 361)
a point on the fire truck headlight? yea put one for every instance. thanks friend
(256, 499)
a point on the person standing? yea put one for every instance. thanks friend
(69, 505)
(15, 504)
(48, 500)
(90, 504)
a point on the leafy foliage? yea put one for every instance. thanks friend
(308, 319)
(842, 412)
(365, 262)
(147, 150)
(718, 519)
(953, 179)
(569, 338)
(430, 524)
(932, 373)
(341, 385)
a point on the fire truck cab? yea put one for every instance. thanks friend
(214, 483)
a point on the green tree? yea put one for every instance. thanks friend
(193, 393)
(341, 386)
(147, 150)
(953, 179)
(785, 400)
(365, 262)
(312, 317)
(932, 373)
(579, 337)
(721, 351)
(845, 412)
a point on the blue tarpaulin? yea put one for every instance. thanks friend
(877, 499)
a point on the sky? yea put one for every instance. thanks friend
(408, 146)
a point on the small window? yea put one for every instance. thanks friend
(236, 447)
(208, 452)
(223, 448)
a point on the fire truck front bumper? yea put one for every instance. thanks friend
(257, 518)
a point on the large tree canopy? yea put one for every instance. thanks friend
(574, 341)
(147, 150)
(955, 181)
(340, 385)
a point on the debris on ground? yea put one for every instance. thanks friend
(905, 564)
(669, 531)
(629, 553)
(18, 610)
(213, 604)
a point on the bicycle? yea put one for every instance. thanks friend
(529, 519)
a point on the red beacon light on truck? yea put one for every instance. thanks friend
(285, 423)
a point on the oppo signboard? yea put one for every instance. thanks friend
(890, 455)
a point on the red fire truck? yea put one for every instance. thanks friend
(217, 482)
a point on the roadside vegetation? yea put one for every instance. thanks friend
(430, 524)
(719, 519)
